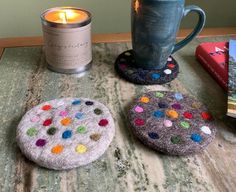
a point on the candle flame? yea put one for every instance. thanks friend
(62, 16)
(136, 5)
(69, 14)
(66, 15)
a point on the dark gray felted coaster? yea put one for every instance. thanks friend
(65, 133)
(125, 66)
(172, 123)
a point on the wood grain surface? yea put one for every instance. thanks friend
(1, 51)
(115, 37)
(127, 166)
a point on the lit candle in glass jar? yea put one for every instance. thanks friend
(66, 15)
(67, 39)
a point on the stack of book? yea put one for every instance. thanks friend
(219, 59)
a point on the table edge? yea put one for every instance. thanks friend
(110, 38)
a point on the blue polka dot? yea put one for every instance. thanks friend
(79, 115)
(196, 137)
(76, 102)
(67, 134)
(156, 76)
(158, 114)
(178, 96)
(153, 135)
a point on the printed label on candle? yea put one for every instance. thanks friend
(68, 48)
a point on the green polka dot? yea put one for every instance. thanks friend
(184, 124)
(176, 139)
(51, 131)
(32, 132)
(98, 111)
(81, 129)
(159, 94)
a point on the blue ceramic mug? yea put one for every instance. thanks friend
(155, 24)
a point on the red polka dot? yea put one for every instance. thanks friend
(139, 122)
(188, 115)
(47, 122)
(46, 107)
(103, 122)
(171, 66)
(206, 116)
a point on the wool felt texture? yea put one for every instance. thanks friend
(65, 133)
(125, 67)
(172, 123)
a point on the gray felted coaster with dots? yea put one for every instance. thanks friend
(172, 123)
(125, 67)
(65, 133)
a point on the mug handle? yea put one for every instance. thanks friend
(197, 29)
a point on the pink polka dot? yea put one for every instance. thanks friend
(63, 113)
(35, 119)
(138, 109)
(168, 123)
(139, 122)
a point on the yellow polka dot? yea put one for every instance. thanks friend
(81, 148)
(57, 149)
(144, 99)
(172, 114)
(66, 121)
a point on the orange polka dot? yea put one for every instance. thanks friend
(46, 107)
(172, 114)
(57, 149)
(66, 121)
(144, 99)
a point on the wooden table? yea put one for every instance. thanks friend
(127, 165)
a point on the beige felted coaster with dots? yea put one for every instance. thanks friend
(65, 133)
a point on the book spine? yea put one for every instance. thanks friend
(216, 71)
(231, 110)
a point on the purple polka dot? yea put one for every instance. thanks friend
(40, 142)
(176, 106)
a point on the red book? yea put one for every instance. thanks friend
(214, 57)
